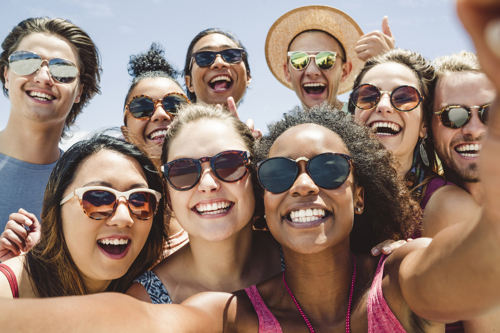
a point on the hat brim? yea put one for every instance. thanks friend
(316, 17)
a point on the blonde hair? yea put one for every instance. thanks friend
(458, 62)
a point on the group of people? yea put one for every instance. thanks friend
(223, 229)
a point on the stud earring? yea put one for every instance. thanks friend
(358, 209)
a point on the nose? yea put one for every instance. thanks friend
(160, 114)
(312, 70)
(43, 75)
(219, 62)
(384, 104)
(208, 181)
(122, 217)
(303, 185)
(475, 127)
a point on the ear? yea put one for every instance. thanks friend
(249, 78)
(359, 200)
(187, 79)
(288, 77)
(77, 98)
(6, 77)
(346, 70)
(423, 129)
(125, 133)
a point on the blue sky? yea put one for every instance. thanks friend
(121, 28)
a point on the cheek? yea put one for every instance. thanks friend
(361, 116)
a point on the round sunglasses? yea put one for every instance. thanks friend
(301, 59)
(403, 98)
(27, 63)
(100, 202)
(457, 116)
(207, 58)
(327, 170)
(143, 107)
(229, 166)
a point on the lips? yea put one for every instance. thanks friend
(314, 88)
(385, 128)
(115, 248)
(158, 134)
(307, 217)
(40, 96)
(470, 150)
(214, 208)
(221, 83)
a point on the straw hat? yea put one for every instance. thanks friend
(316, 17)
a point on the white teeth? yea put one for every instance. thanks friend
(157, 133)
(41, 96)
(394, 127)
(307, 215)
(315, 84)
(214, 208)
(113, 241)
(470, 147)
(220, 78)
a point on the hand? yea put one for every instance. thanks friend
(375, 42)
(16, 237)
(231, 105)
(388, 246)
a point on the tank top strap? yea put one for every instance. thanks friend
(267, 321)
(11, 277)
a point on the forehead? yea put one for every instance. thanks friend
(315, 41)
(155, 87)
(390, 75)
(214, 41)
(463, 88)
(49, 46)
(307, 140)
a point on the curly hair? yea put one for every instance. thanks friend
(206, 32)
(89, 63)
(195, 112)
(51, 268)
(425, 73)
(389, 211)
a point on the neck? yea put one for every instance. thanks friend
(31, 142)
(96, 286)
(223, 265)
(405, 165)
(473, 188)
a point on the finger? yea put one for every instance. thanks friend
(491, 33)
(377, 249)
(393, 247)
(250, 124)
(257, 134)
(231, 105)
(10, 238)
(18, 229)
(218, 106)
(386, 29)
(7, 245)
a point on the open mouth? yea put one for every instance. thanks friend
(468, 150)
(114, 246)
(307, 215)
(220, 207)
(385, 128)
(314, 88)
(40, 96)
(158, 134)
(221, 83)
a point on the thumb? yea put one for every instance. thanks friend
(231, 105)
(250, 124)
(385, 27)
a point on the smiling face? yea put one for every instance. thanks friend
(215, 83)
(88, 240)
(332, 210)
(398, 131)
(313, 85)
(150, 133)
(459, 148)
(39, 97)
(213, 210)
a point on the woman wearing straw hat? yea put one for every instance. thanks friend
(318, 50)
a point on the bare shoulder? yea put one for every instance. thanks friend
(138, 291)
(489, 323)
(447, 206)
(17, 266)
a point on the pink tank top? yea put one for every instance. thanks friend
(380, 317)
(267, 322)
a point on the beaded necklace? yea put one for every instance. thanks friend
(348, 317)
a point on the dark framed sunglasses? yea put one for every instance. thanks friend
(27, 63)
(207, 58)
(301, 59)
(100, 202)
(403, 98)
(327, 170)
(143, 107)
(229, 166)
(456, 116)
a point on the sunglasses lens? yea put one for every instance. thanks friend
(485, 114)
(232, 56)
(230, 167)
(183, 174)
(325, 60)
(405, 98)
(455, 117)
(63, 70)
(205, 58)
(365, 97)
(172, 102)
(24, 62)
(142, 205)
(277, 175)
(141, 107)
(329, 171)
(98, 204)
(299, 60)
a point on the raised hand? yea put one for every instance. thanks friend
(375, 42)
(21, 233)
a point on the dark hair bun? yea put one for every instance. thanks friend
(151, 61)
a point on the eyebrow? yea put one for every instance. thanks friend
(223, 46)
(103, 183)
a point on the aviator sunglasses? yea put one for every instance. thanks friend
(27, 63)
(229, 166)
(143, 107)
(100, 202)
(403, 98)
(457, 116)
(301, 59)
(207, 58)
(327, 170)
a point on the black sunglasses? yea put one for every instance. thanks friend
(143, 107)
(457, 116)
(207, 58)
(327, 170)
